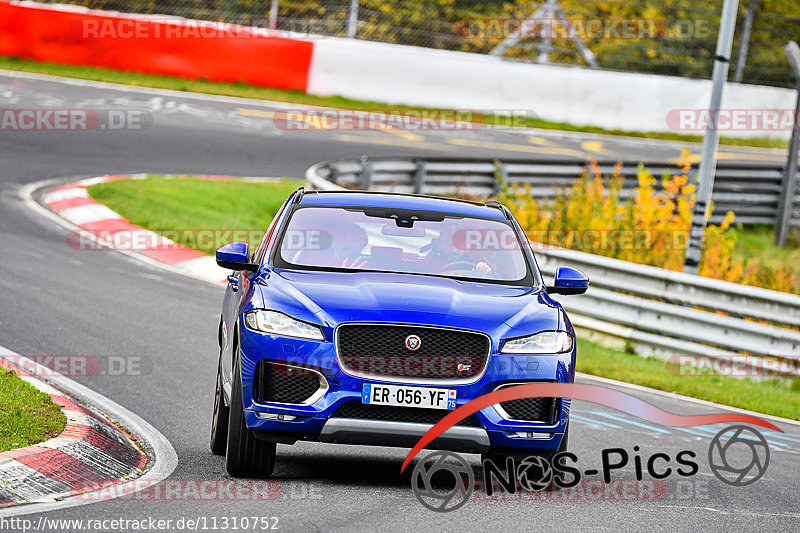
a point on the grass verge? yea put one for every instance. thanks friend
(295, 97)
(778, 397)
(759, 241)
(162, 204)
(197, 213)
(27, 416)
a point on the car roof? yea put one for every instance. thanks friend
(403, 201)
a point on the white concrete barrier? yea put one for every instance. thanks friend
(439, 78)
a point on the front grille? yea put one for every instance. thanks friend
(399, 414)
(380, 351)
(278, 383)
(532, 409)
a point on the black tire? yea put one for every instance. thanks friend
(245, 456)
(554, 486)
(564, 441)
(219, 422)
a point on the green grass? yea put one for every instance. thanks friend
(778, 397)
(181, 205)
(295, 97)
(161, 203)
(27, 416)
(759, 241)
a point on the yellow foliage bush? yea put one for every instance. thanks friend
(650, 227)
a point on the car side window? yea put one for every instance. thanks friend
(262, 248)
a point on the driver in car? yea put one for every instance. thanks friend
(349, 243)
(447, 252)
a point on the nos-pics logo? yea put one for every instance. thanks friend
(444, 481)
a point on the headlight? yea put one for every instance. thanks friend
(280, 324)
(544, 342)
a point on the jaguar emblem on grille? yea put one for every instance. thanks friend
(413, 342)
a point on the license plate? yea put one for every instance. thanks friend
(423, 397)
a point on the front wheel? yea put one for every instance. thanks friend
(246, 456)
(219, 422)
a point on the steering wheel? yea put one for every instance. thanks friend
(454, 266)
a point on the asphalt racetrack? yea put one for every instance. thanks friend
(55, 300)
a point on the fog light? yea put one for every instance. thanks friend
(532, 435)
(275, 416)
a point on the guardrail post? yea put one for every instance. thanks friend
(708, 155)
(786, 200)
(744, 41)
(501, 177)
(352, 19)
(365, 182)
(273, 15)
(419, 176)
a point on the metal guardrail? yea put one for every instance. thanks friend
(666, 313)
(750, 189)
(659, 312)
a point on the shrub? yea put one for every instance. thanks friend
(650, 227)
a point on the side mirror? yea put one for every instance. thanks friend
(569, 280)
(234, 256)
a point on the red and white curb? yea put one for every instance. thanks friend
(101, 225)
(90, 453)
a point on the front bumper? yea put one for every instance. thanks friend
(318, 421)
(402, 434)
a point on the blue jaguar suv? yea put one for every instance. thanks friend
(365, 318)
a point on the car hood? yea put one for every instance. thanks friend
(332, 298)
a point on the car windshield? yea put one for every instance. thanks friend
(414, 242)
